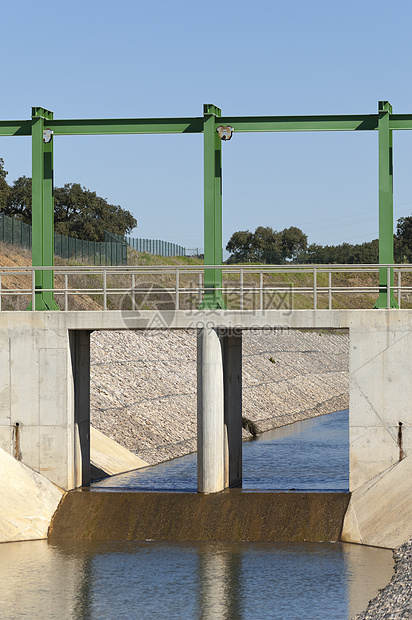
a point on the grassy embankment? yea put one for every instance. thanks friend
(163, 297)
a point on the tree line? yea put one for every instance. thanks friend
(78, 212)
(268, 246)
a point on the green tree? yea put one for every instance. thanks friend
(267, 245)
(315, 254)
(4, 188)
(78, 212)
(19, 200)
(240, 245)
(294, 244)
(403, 240)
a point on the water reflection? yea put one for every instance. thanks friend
(220, 582)
(210, 581)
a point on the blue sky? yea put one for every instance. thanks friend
(95, 59)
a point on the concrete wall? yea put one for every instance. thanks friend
(44, 396)
(27, 501)
(380, 405)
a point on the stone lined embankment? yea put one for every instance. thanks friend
(143, 384)
(395, 601)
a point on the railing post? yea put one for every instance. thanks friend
(330, 289)
(66, 294)
(399, 288)
(388, 287)
(241, 288)
(0, 293)
(33, 289)
(315, 300)
(200, 288)
(104, 289)
(177, 290)
(261, 291)
(133, 291)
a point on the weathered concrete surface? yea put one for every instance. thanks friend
(380, 392)
(380, 512)
(45, 396)
(380, 420)
(110, 457)
(27, 501)
(228, 516)
(34, 361)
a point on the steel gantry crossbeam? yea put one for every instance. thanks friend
(42, 127)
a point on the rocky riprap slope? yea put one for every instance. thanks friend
(395, 601)
(143, 384)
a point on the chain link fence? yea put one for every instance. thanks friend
(156, 247)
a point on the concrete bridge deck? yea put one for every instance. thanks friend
(198, 319)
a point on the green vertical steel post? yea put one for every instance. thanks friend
(212, 208)
(385, 150)
(42, 209)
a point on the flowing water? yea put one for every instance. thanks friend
(213, 581)
(312, 455)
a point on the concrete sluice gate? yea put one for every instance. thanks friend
(45, 398)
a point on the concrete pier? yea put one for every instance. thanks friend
(210, 413)
(232, 382)
(219, 410)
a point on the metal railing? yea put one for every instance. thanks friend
(245, 287)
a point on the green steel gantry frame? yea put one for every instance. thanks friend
(42, 127)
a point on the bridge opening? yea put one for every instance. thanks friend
(143, 386)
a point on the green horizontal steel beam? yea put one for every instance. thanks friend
(68, 127)
(368, 122)
(15, 128)
(125, 126)
(400, 121)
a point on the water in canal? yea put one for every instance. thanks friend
(312, 455)
(210, 581)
